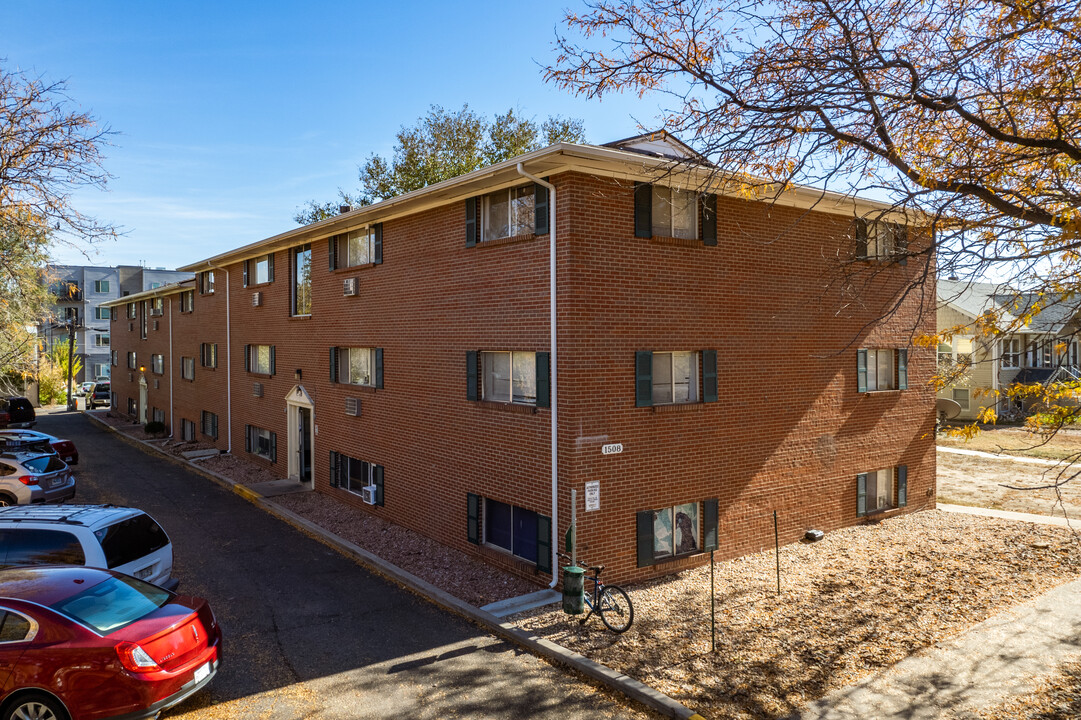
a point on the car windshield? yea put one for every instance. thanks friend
(113, 604)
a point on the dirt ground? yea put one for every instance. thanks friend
(977, 481)
(1016, 441)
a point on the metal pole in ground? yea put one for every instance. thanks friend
(712, 606)
(71, 355)
(777, 548)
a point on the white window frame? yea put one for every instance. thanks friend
(512, 196)
(257, 434)
(491, 393)
(260, 265)
(187, 368)
(187, 301)
(101, 286)
(963, 397)
(295, 309)
(360, 247)
(115, 358)
(131, 311)
(101, 340)
(879, 359)
(256, 368)
(659, 201)
(157, 364)
(345, 368)
(102, 313)
(101, 370)
(693, 394)
(666, 548)
(187, 430)
(208, 355)
(206, 282)
(132, 360)
(210, 418)
(1011, 353)
(885, 475)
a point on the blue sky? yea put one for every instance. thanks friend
(230, 115)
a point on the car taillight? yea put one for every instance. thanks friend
(28, 480)
(134, 658)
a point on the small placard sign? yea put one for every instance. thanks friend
(593, 495)
(612, 449)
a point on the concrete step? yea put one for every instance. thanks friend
(510, 606)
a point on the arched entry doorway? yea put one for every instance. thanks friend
(301, 429)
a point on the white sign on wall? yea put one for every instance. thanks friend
(613, 449)
(593, 495)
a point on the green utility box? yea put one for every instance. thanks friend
(573, 590)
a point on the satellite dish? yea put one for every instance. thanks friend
(947, 409)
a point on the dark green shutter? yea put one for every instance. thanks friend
(472, 531)
(247, 438)
(333, 469)
(709, 219)
(861, 370)
(544, 385)
(861, 238)
(471, 378)
(544, 544)
(334, 365)
(645, 538)
(902, 244)
(902, 485)
(643, 210)
(471, 222)
(377, 245)
(332, 246)
(379, 368)
(709, 524)
(540, 209)
(377, 480)
(273, 447)
(247, 358)
(902, 369)
(270, 267)
(643, 378)
(709, 376)
(246, 272)
(272, 363)
(861, 494)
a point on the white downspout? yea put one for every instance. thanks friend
(228, 371)
(172, 428)
(554, 364)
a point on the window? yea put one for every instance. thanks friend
(116, 358)
(29, 546)
(360, 247)
(155, 285)
(357, 366)
(260, 359)
(158, 415)
(187, 430)
(507, 213)
(674, 212)
(131, 311)
(187, 368)
(157, 364)
(101, 286)
(958, 351)
(509, 377)
(131, 539)
(880, 240)
(882, 369)
(206, 283)
(511, 528)
(102, 313)
(675, 378)
(302, 280)
(210, 424)
(355, 475)
(101, 370)
(261, 443)
(131, 406)
(676, 531)
(101, 340)
(112, 314)
(208, 355)
(259, 270)
(187, 301)
(882, 490)
(142, 319)
(131, 361)
(157, 307)
(960, 396)
(17, 628)
(1011, 353)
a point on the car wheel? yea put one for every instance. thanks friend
(6, 501)
(35, 707)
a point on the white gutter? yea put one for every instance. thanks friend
(553, 364)
(228, 371)
(172, 430)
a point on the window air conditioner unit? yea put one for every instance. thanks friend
(367, 494)
(349, 287)
(352, 407)
(257, 389)
(156, 312)
(256, 299)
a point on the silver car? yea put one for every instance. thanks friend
(34, 477)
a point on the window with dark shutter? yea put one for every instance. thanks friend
(644, 538)
(861, 239)
(377, 245)
(473, 518)
(544, 544)
(472, 391)
(902, 485)
(643, 378)
(861, 371)
(273, 447)
(272, 359)
(709, 524)
(334, 365)
(709, 376)
(334, 468)
(377, 480)
(471, 222)
(379, 368)
(861, 494)
(544, 380)
(643, 210)
(245, 264)
(902, 369)
(247, 358)
(247, 438)
(540, 209)
(709, 220)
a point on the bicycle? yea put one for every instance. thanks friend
(611, 602)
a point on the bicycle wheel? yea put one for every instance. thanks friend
(615, 609)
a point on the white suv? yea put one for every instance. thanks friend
(103, 536)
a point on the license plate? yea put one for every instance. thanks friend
(57, 482)
(144, 573)
(202, 673)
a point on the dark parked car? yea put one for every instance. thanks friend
(20, 413)
(101, 397)
(88, 644)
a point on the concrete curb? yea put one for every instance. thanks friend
(619, 682)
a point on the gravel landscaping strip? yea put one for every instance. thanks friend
(1056, 698)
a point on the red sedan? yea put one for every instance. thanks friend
(90, 644)
(64, 448)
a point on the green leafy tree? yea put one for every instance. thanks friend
(53, 373)
(444, 144)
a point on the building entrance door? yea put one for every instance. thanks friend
(304, 447)
(301, 434)
(142, 400)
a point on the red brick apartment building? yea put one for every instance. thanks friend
(400, 358)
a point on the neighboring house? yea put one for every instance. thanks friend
(80, 292)
(1043, 350)
(398, 357)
